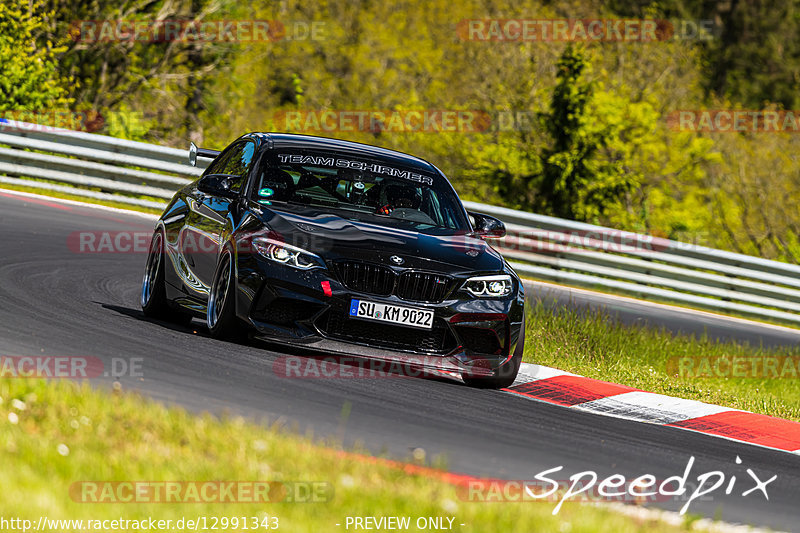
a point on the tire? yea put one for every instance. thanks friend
(221, 310)
(154, 297)
(506, 374)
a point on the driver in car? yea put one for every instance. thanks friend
(399, 197)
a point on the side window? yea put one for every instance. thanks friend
(238, 162)
(217, 165)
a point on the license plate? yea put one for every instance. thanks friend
(394, 314)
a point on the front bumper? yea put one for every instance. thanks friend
(469, 335)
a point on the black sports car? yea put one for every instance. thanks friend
(341, 247)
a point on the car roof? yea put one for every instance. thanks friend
(310, 142)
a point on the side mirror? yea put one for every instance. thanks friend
(205, 153)
(218, 185)
(192, 154)
(486, 226)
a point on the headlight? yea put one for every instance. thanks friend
(489, 286)
(287, 254)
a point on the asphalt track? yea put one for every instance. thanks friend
(55, 301)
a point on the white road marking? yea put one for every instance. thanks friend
(650, 407)
(529, 372)
(77, 203)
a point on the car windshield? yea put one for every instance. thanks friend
(370, 191)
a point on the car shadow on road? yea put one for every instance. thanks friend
(195, 327)
(301, 361)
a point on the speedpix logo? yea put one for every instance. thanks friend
(588, 486)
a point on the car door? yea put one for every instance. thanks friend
(208, 215)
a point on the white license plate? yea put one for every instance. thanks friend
(394, 314)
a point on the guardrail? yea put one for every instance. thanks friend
(92, 165)
(542, 247)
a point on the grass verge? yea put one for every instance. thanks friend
(595, 345)
(672, 303)
(58, 433)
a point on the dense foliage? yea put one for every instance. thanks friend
(579, 130)
(29, 79)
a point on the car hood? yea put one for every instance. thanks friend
(335, 237)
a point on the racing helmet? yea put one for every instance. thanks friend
(402, 196)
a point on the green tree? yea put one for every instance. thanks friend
(115, 71)
(29, 79)
(752, 51)
(578, 180)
